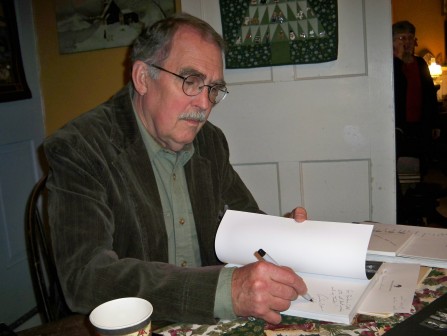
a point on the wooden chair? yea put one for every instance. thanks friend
(408, 170)
(50, 299)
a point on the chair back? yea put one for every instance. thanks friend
(50, 299)
(408, 170)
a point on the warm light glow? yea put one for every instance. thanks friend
(435, 69)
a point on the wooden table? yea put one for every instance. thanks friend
(75, 325)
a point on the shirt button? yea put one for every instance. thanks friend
(184, 263)
(174, 177)
(181, 221)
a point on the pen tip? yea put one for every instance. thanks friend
(311, 300)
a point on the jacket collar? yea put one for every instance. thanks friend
(124, 130)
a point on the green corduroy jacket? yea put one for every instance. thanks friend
(106, 217)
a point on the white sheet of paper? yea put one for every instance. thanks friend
(334, 299)
(317, 247)
(393, 291)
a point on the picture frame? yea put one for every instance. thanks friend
(92, 25)
(13, 85)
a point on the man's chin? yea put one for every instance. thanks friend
(407, 57)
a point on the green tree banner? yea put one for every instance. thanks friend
(277, 32)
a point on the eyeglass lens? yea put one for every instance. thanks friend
(406, 38)
(193, 85)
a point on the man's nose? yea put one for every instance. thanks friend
(202, 99)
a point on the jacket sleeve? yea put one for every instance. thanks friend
(430, 100)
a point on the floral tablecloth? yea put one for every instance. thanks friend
(434, 286)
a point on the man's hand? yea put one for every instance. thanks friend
(299, 214)
(263, 290)
(398, 48)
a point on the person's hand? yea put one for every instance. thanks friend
(398, 48)
(263, 290)
(299, 214)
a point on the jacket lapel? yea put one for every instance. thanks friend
(135, 170)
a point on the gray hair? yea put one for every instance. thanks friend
(153, 46)
(404, 27)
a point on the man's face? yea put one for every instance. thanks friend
(164, 106)
(405, 42)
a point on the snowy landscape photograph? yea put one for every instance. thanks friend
(85, 25)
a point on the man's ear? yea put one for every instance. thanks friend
(139, 77)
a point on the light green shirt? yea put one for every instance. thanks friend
(183, 245)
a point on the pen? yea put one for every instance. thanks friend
(264, 255)
(222, 213)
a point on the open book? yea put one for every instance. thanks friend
(408, 244)
(393, 291)
(329, 256)
(384, 242)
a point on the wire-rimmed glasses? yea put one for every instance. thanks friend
(194, 84)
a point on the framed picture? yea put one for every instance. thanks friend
(13, 84)
(85, 25)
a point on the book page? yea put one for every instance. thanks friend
(426, 247)
(393, 291)
(388, 243)
(334, 299)
(327, 248)
(423, 273)
(418, 231)
(433, 238)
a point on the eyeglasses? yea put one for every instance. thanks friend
(194, 84)
(406, 38)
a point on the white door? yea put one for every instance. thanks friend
(21, 133)
(319, 135)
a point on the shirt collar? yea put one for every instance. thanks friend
(154, 149)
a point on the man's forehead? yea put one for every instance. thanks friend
(404, 34)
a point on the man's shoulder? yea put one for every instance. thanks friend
(420, 59)
(98, 123)
(91, 125)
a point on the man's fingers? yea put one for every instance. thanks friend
(299, 214)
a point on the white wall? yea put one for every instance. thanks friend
(317, 135)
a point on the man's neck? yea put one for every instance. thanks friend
(408, 58)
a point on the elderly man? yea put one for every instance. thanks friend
(137, 186)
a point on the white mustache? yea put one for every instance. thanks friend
(196, 116)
